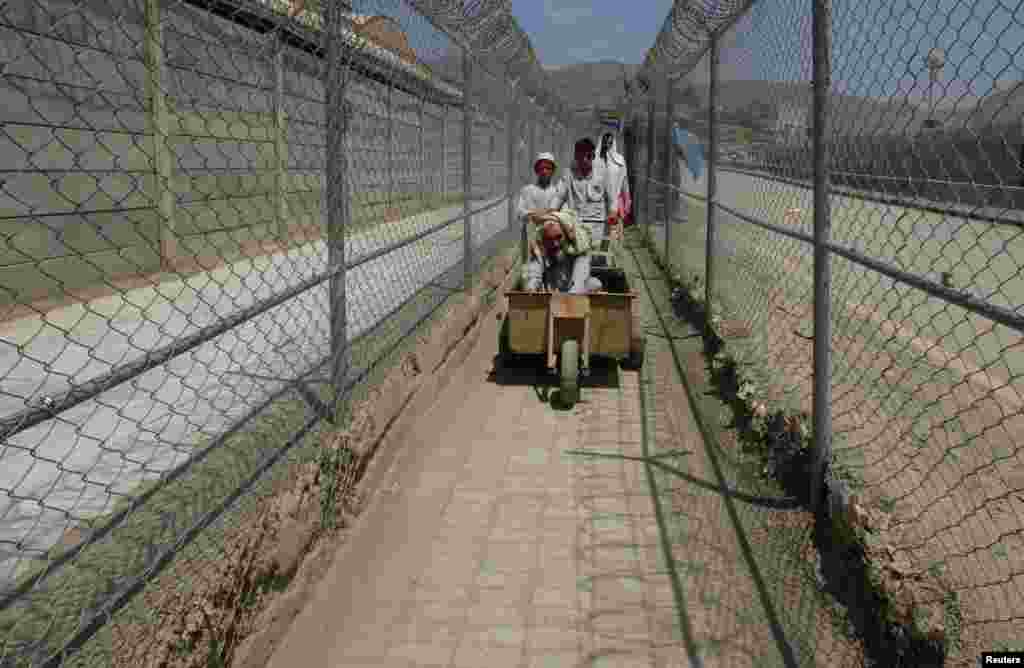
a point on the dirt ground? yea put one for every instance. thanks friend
(757, 591)
(943, 477)
(509, 532)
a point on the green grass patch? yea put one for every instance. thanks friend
(368, 212)
(775, 549)
(51, 613)
(761, 437)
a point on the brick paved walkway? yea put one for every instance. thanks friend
(495, 548)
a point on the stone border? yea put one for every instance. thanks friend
(397, 404)
(245, 603)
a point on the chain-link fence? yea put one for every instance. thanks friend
(840, 204)
(221, 223)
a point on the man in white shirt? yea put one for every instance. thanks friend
(536, 199)
(585, 191)
(613, 164)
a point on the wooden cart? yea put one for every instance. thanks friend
(569, 329)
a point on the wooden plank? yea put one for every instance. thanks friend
(566, 306)
(528, 314)
(611, 324)
(569, 329)
(551, 345)
(586, 342)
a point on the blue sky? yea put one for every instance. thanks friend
(566, 32)
(882, 45)
(879, 46)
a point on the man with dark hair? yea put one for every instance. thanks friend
(584, 191)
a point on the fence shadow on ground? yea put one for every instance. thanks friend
(826, 574)
(530, 371)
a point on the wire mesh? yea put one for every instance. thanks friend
(197, 221)
(923, 145)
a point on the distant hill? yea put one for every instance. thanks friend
(592, 84)
(758, 103)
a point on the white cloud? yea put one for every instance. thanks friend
(594, 50)
(557, 14)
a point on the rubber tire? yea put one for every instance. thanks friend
(503, 336)
(569, 360)
(638, 340)
(635, 361)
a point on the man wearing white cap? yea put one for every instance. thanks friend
(536, 199)
(559, 253)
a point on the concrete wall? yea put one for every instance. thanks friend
(127, 150)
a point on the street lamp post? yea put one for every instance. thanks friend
(935, 61)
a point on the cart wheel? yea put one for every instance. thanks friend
(637, 340)
(503, 345)
(635, 361)
(570, 363)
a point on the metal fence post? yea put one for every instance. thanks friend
(338, 212)
(159, 119)
(442, 154)
(510, 143)
(280, 143)
(422, 180)
(712, 182)
(531, 151)
(666, 170)
(648, 207)
(467, 166)
(571, 135)
(822, 402)
(565, 136)
(562, 141)
(629, 149)
(390, 111)
(492, 156)
(563, 133)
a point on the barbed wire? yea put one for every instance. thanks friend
(209, 248)
(488, 28)
(685, 37)
(924, 299)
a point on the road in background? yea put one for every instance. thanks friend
(977, 256)
(71, 466)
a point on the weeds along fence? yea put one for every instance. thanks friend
(220, 221)
(851, 236)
